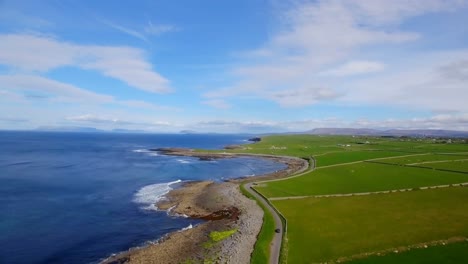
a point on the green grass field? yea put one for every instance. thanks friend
(322, 229)
(448, 254)
(424, 159)
(360, 177)
(457, 165)
(307, 145)
(352, 156)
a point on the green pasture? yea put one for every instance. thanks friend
(454, 253)
(324, 229)
(296, 145)
(359, 177)
(423, 159)
(334, 158)
(307, 145)
(456, 165)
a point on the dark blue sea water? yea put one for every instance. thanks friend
(79, 197)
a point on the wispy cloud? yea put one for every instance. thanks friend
(236, 126)
(20, 87)
(35, 53)
(158, 29)
(145, 32)
(355, 68)
(47, 88)
(319, 40)
(16, 18)
(128, 31)
(113, 122)
(148, 106)
(98, 119)
(217, 103)
(429, 81)
(13, 120)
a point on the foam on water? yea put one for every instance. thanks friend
(151, 194)
(183, 161)
(170, 213)
(188, 227)
(140, 150)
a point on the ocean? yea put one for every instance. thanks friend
(80, 197)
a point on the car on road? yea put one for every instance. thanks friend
(277, 230)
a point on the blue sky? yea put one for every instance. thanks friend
(234, 66)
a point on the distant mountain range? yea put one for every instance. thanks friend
(316, 131)
(390, 132)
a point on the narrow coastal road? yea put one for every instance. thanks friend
(275, 246)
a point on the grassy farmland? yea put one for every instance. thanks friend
(455, 165)
(347, 156)
(322, 229)
(307, 145)
(357, 178)
(448, 254)
(424, 159)
(328, 228)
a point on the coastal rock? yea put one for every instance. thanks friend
(233, 147)
(255, 139)
(216, 201)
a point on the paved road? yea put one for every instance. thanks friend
(275, 246)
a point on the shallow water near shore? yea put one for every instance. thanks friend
(79, 197)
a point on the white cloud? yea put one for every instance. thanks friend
(302, 96)
(148, 106)
(110, 122)
(126, 30)
(235, 126)
(355, 68)
(47, 88)
(26, 88)
(434, 82)
(16, 18)
(13, 120)
(384, 12)
(158, 29)
(98, 119)
(217, 103)
(455, 70)
(161, 123)
(34, 53)
(314, 36)
(149, 29)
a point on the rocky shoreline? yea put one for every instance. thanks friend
(223, 207)
(293, 164)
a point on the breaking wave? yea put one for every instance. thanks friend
(140, 150)
(149, 195)
(188, 227)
